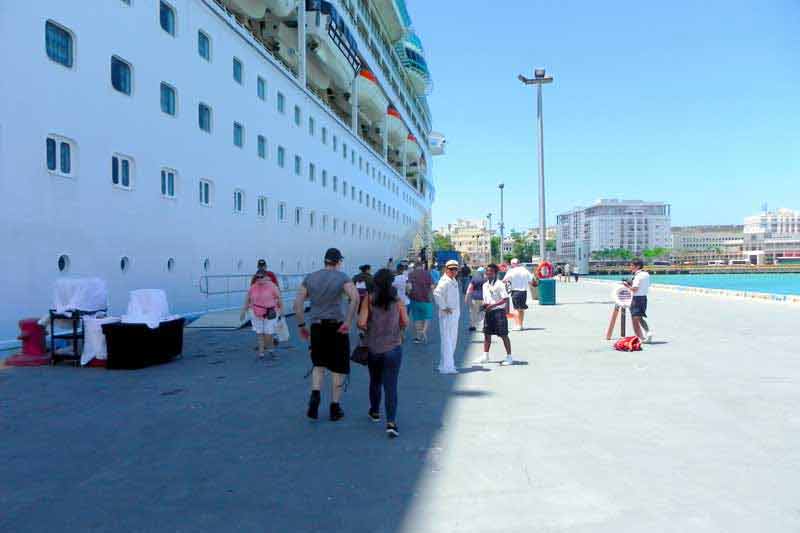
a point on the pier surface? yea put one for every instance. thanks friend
(698, 432)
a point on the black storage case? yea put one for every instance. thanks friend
(137, 345)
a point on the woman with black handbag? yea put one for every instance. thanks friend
(263, 300)
(383, 318)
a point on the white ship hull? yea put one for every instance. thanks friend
(95, 223)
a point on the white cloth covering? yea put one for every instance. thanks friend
(147, 306)
(94, 342)
(448, 296)
(79, 294)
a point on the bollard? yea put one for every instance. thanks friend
(33, 352)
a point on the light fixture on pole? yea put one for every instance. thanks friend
(502, 225)
(540, 78)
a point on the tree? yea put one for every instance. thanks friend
(495, 247)
(655, 253)
(442, 243)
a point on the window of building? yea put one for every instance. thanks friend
(261, 206)
(59, 155)
(344, 188)
(281, 102)
(324, 178)
(361, 164)
(238, 201)
(353, 192)
(312, 172)
(311, 126)
(168, 99)
(261, 88)
(205, 192)
(312, 219)
(324, 222)
(238, 134)
(281, 156)
(166, 15)
(122, 171)
(335, 183)
(335, 143)
(121, 75)
(335, 224)
(298, 162)
(58, 44)
(282, 212)
(344, 150)
(324, 135)
(238, 74)
(298, 215)
(344, 227)
(353, 157)
(168, 183)
(203, 45)
(262, 147)
(360, 197)
(204, 117)
(297, 115)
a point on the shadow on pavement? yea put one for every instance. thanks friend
(215, 441)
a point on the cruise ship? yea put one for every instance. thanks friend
(168, 144)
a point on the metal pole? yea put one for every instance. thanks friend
(502, 225)
(542, 222)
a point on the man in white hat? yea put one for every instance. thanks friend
(518, 279)
(448, 298)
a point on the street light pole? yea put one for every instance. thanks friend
(502, 225)
(539, 79)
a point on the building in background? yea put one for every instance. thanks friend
(611, 224)
(772, 237)
(703, 244)
(532, 235)
(471, 238)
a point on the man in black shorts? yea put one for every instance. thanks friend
(495, 322)
(330, 328)
(640, 286)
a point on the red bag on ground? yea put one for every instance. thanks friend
(628, 344)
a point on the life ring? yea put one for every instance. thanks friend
(622, 296)
(544, 270)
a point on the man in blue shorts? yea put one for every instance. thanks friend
(640, 286)
(421, 297)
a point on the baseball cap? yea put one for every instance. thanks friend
(262, 262)
(515, 261)
(333, 255)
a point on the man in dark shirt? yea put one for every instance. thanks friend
(466, 276)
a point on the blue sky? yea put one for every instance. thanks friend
(692, 103)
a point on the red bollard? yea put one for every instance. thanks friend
(34, 352)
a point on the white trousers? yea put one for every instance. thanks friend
(448, 330)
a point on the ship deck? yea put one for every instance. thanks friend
(698, 432)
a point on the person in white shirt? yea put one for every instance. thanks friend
(640, 286)
(401, 284)
(495, 302)
(518, 279)
(567, 272)
(448, 298)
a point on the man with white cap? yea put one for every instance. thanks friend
(518, 278)
(448, 298)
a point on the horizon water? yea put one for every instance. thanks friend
(783, 283)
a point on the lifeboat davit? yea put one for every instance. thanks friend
(397, 129)
(256, 9)
(371, 99)
(340, 61)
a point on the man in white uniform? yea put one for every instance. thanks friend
(448, 298)
(518, 279)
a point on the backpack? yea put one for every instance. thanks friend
(628, 344)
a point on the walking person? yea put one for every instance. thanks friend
(640, 286)
(263, 301)
(448, 299)
(261, 266)
(383, 318)
(519, 280)
(421, 298)
(474, 299)
(567, 273)
(465, 275)
(330, 328)
(363, 281)
(495, 303)
(436, 275)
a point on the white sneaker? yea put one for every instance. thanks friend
(508, 361)
(482, 360)
(448, 371)
(648, 338)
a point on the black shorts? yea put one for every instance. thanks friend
(639, 306)
(519, 299)
(329, 348)
(496, 323)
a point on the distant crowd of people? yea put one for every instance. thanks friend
(396, 299)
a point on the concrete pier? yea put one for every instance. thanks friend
(698, 432)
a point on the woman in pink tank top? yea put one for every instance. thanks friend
(263, 302)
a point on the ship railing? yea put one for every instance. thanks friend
(226, 291)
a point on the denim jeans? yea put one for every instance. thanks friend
(383, 371)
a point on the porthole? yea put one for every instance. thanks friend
(170, 264)
(206, 264)
(124, 264)
(63, 263)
